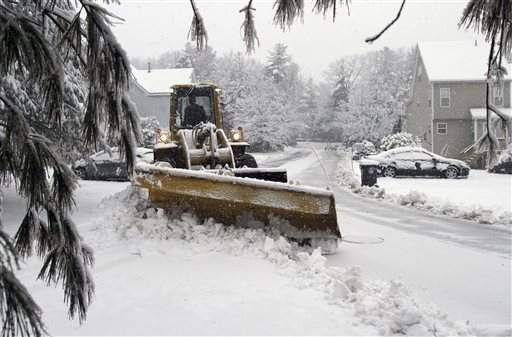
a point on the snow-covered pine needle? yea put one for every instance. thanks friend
(197, 30)
(19, 313)
(322, 6)
(286, 11)
(248, 28)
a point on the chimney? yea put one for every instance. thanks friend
(476, 43)
(149, 67)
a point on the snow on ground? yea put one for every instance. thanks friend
(171, 274)
(483, 197)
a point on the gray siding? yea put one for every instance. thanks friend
(158, 106)
(463, 96)
(418, 112)
(459, 136)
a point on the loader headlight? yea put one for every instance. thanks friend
(237, 135)
(163, 136)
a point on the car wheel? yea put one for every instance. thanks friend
(80, 172)
(451, 172)
(389, 172)
(246, 160)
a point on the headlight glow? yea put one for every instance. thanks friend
(164, 136)
(236, 136)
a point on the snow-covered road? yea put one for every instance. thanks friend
(149, 285)
(461, 266)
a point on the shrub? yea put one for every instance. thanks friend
(398, 140)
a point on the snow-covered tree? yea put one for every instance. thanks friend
(37, 39)
(399, 140)
(368, 95)
(308, 109)
(278, 63)
(148, 127)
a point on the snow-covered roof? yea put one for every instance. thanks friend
(159, 81)
(481, 113)
(455, 60)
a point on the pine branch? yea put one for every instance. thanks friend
(249, 35)
(197, 30)
(286, 11)
(378, 35)
(69, 263)
(19, 313)
(322, 6)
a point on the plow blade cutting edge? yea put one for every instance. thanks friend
(304, 214)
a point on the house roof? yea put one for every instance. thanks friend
(159, 81)
(455, 60)
(481, 113)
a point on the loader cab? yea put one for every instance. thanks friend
(186, 99)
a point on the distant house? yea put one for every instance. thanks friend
(150, 90)
(447, 106)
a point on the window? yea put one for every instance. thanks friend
(444, 94)
(442, 128)
(420, 71)
(497, 93)
(416, 155)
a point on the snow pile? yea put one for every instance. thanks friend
(505, 156)
(346, 177)
(386, 307)
(419, 200)
(400, 139)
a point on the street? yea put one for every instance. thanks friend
(460, 266)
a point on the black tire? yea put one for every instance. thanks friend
(451, 172)
(389, 172)
(81, 173)
(246, 160)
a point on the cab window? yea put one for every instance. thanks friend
(183, 102)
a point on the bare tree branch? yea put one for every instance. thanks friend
(378, 35)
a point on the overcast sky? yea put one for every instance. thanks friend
(153, 27)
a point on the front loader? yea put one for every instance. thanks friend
(197, 165)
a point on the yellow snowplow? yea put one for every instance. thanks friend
(196, 165)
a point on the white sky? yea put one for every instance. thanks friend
(153, 27)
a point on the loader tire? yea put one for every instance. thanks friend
(246, 160)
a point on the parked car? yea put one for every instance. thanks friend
(502, 167)
(504, 163)
(416, 161)
(108, 166)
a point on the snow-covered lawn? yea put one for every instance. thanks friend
(483, 197)
(488, 190)
(162, 275)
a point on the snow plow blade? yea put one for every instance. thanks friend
(303, 214)
(268, 174)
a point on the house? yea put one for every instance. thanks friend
(150, 90)
(447, 105)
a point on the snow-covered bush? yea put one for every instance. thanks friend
(148, 126)
(365, 147)
(506, 155)
(398, 140)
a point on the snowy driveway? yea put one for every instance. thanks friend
(463, 267)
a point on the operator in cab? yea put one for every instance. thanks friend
(194, 113)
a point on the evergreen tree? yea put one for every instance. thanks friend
(37, 40)
(308, 109)
(278, 63)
